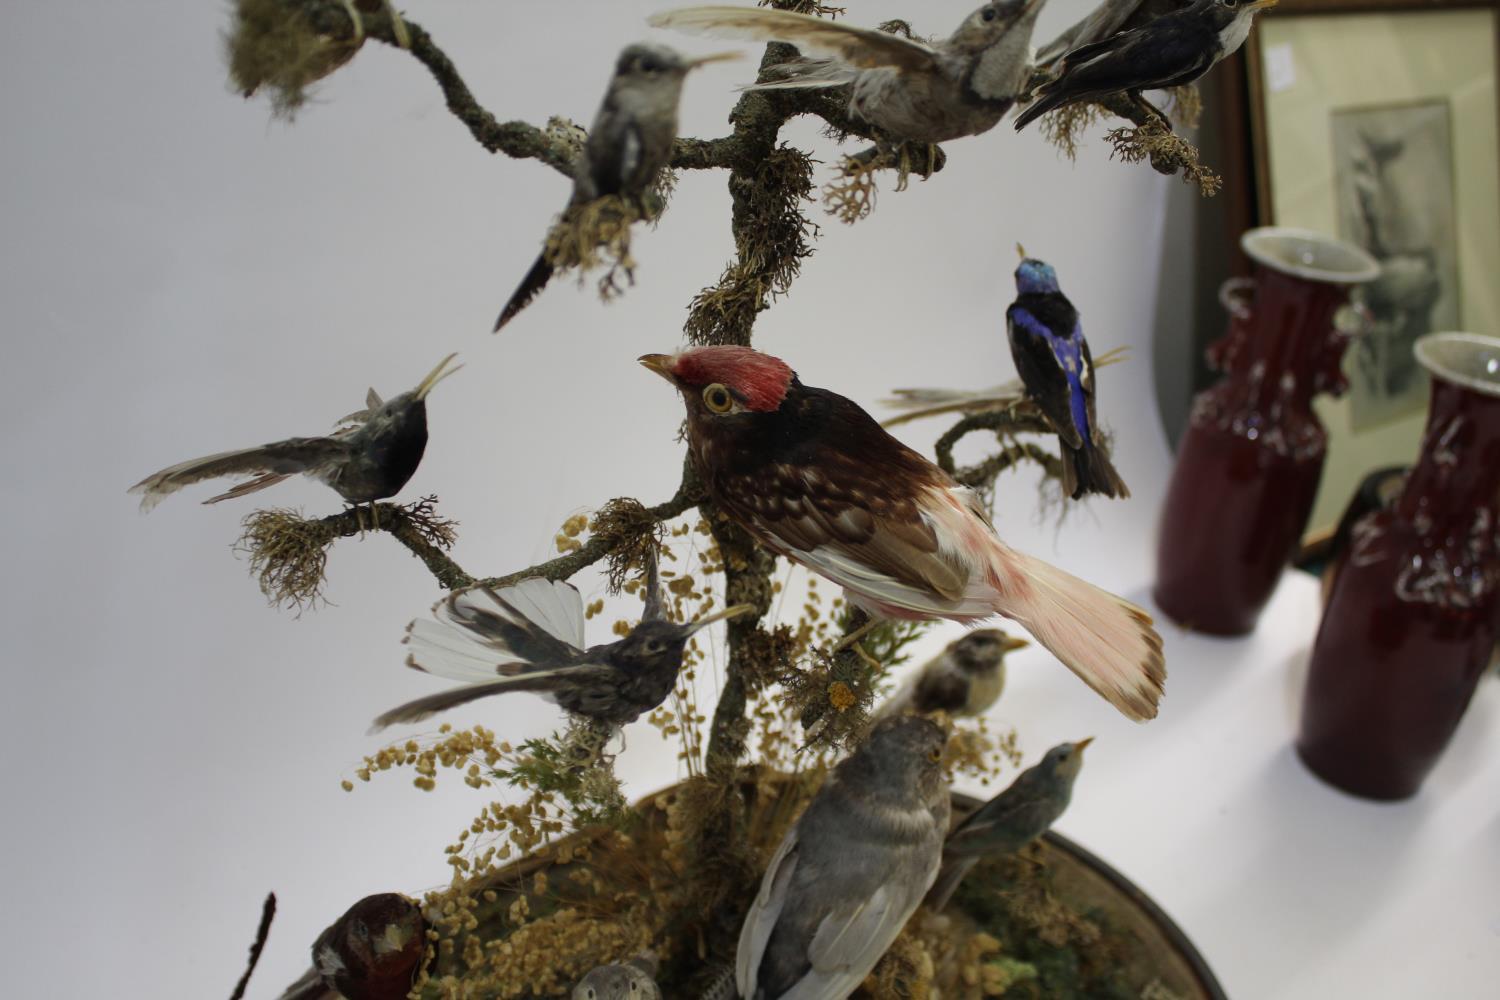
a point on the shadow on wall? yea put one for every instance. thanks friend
(1200, 250)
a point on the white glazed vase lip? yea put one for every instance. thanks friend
(1341, 263)
(1471, 360)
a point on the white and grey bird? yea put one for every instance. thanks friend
(632, 980)
(850, 871)
(529, 637)
(909, 90)
(627, 146)
(1170, 51)
(965, 679)
(369, 458)
(1008, 822)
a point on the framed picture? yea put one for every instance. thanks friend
(1377, 121)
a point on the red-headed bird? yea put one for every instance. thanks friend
(815, 478)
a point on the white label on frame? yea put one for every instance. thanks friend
(1281, 71)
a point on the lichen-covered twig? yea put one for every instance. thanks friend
(1017, 420)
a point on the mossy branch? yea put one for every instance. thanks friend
(1019, 419)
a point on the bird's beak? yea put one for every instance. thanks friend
(1082, 745)
(1260, 5)
(435, 376)
(659, 363)
(693, 64)
(1011, 643)
(1021, 251)
(733, 611)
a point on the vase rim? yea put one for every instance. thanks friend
(1471, 360)
(1342, 262)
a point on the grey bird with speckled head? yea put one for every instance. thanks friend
(850, 871)
(632, 980)
(908, 89)
(629, 144)
(1012, 819)
(964, 679)
(370, 458)
(529, 637)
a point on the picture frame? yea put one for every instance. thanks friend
(1377, 121)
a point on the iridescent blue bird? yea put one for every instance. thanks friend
(1054, 363)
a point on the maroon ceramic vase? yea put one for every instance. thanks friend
(1249, 462)
(1414, 611)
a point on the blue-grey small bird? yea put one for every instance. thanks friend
(1052, 357)
(1170, 51)
(850, 871)
(529, 637)
(1010, 820)
(632, 980)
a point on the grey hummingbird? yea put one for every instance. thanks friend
(370, 457)
(908, 89)
(629, 144)
(1012, 819)
(529, 637)
(632, 980)
(851, 870)
(965, 679)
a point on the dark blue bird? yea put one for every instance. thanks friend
(1054, 363)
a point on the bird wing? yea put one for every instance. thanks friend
(755, 934)
(866, 48)
(539, 680)
(1099, 24)
(1032, 348)
(284, 458)
(481, 632)
(851, 939)
(942, 687)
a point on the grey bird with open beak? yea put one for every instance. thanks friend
(632, 980)
(1010, 820)
(529, 637)
(850, 871)
(965, 679)
(629, 144)
(908, 89)
(1171, 51)
(370, 458)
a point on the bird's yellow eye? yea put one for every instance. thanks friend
(935, 755)
(717, 398)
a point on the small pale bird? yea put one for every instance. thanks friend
(1010, 820)
(964, 679)
(530, 637)
(632, 980)
(1053, 360)
(629, 144)
(1171, 51)
(850, 871)
(814, 478)
(909, 90)
(370, 458)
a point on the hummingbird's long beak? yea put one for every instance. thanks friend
(1082, 745)
(1013, 643)
(659, 363)
(693, 64)
(733, 611)
(1261, 5)
(435, 376)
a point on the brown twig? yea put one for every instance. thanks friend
(1010, 421)
(267, 913)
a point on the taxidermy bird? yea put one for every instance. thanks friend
(628, 145)
(964, 679)
(1053, 360)
(814, 478)
(529, 637)
(850, 871)
(374, 951)
(1171, 51)
(632, 980)
(1010, 820)
(909, 90)
(370, 458)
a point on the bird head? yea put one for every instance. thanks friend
(412, 404)
(992, 21)
(983, 648)
(657, 639)
(719, 382)
(616, 982)
(1034, 276)
(907, 752)
(656, 69)
(1065, 760)
(1231, 19)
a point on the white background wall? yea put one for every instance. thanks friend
(182, 275)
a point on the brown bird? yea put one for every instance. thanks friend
(964, 679)
(815, 478)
